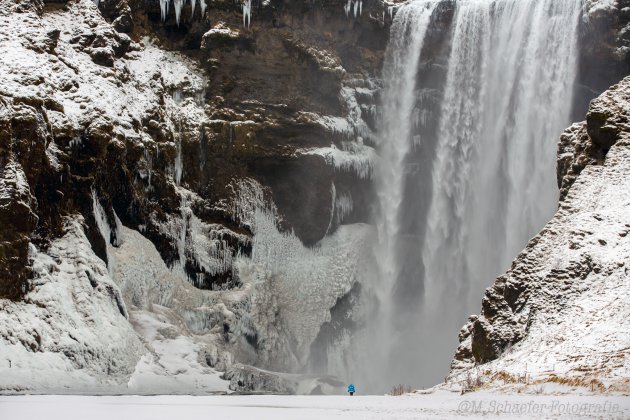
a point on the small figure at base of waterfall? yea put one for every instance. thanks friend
(351, 389)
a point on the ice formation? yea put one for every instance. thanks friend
(178, 5)
(103, 227)
(294, 287)
(351, 154)
(247, 13)
(343, 206)
(178, 168)
(355, 158)
(72, 308)
(354, 6)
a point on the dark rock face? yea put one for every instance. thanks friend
(292, 60)
(530, 288)
(604, 50)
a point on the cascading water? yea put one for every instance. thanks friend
(399, 106)
(371, 362)
(491, 183)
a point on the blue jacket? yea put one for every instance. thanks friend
(351, 388)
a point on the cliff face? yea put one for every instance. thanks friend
(267, 102)
(105, 133)
(560, 313)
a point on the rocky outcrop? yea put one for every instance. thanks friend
(587, 143)
(560, 307)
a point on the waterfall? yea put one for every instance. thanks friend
(507, 98)
(398, 125)
(369, 364)
(487, 182)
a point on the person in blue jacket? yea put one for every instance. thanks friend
(351, 389)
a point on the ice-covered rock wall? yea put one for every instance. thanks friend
(145, 151)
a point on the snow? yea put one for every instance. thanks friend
(174, 363)
(97, 91)
(597, 6)
(71, 333)
(13, 182)
(276, 407)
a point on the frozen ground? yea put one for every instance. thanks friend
(440, 404)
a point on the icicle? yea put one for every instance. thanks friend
(360, 7)
(101, 218)
(356, 8)
(193, 3)
(343, 206)
(203, 6)
(179, 169)
(178, 96)
(149, 161)
(178, 4)
(347, 7)
(247, 13)
(333, 192)
(164, 8)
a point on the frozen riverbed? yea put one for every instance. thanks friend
(437, 405)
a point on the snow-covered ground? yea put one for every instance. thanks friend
(277, 407)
